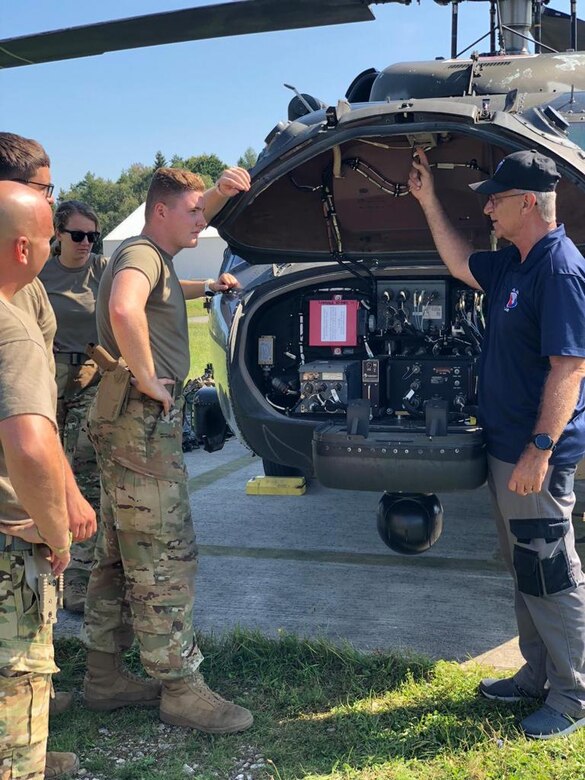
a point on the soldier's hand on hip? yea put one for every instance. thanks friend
(156, 389)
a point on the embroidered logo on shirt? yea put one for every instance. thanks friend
(512, 300)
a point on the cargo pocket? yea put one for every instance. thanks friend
(24, 709)
(556, 573)
(527, 568)
(156, 534)
(18, 602)
(540, 558)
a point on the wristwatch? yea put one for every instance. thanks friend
(207, 289)
(542, 441)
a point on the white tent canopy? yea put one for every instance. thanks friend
(201, 262)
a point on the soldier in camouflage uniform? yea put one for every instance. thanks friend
(33, 510)
(146, 554)
(25, 160)
(71, 278)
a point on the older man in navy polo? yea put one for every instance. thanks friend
(531, 402)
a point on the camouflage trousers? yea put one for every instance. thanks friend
(76, 389)
(26, 665)
(143, 580)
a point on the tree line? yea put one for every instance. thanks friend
(113, 201)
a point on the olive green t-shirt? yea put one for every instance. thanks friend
(166, 313)
(33, 300)
(27, 386)
(73, 293)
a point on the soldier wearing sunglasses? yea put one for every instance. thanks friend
(71, 278)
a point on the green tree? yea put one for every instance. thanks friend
(206, 165)
(248, 159)
(136, 180)
(160, 161)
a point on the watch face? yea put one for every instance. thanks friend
(543, 441)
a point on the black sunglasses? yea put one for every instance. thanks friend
(77, 236)
(47, 189)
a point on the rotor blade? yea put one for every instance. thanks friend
(238, 17)
(556, 30)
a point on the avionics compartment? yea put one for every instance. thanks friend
(405, 349)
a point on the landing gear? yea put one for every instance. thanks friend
(410, 523)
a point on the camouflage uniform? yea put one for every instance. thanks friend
(26, 665)
(76, 389)
(146, 555)
(26, 646)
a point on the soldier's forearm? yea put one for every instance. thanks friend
(132, 336)
(34, 461)
(192, 288)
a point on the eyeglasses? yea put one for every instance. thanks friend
(47, 189)
(493, 201)
(77, 236)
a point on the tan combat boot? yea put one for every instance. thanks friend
(74, 593)
(61, 702)
(108, 685)
(190, 702)
(60, 765)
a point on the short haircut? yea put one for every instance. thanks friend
(170, 183)
(20, 158)
(546, 204)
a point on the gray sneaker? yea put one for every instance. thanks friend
(504, 690)
(547, 723)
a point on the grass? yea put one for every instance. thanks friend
(199, 347)
(322, 712)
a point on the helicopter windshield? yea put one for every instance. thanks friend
(577, 134)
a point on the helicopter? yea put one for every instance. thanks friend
(348, 353)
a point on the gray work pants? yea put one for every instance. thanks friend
(538, 545)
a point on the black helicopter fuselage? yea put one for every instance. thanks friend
(349, 352)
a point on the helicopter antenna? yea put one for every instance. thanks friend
(300, 97)
(574, 25)
(454, 25)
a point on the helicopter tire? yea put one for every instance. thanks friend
(272, 469)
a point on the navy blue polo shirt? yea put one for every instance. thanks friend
(535, 309)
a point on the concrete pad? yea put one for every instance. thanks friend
(505, 656)
(315, 565)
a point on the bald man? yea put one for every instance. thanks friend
(34, 531)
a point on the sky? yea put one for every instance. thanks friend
(220, 96)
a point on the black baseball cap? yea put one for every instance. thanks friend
(526, 170)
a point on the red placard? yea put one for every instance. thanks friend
(333, 323)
